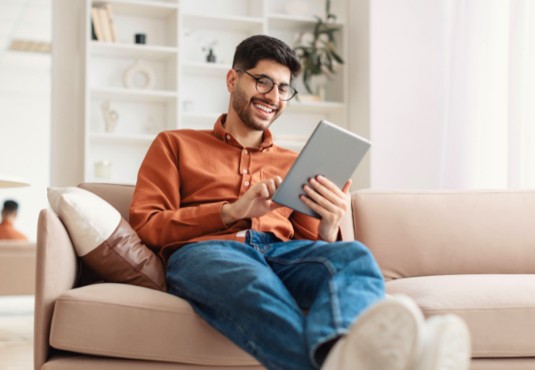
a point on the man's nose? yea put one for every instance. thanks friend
(273, 95)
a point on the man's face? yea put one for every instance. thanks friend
(258, 111)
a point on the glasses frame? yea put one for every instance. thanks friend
(257, 79)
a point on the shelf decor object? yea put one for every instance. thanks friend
(139, 76)
(111, 117)
(317, 51)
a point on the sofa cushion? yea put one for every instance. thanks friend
(138, 323)
(104, 240)
(441, 232)
(498, 309)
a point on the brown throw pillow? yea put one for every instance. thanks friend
(104, 240)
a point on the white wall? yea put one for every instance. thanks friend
(25, 132)
(25, 108)
(407, 63)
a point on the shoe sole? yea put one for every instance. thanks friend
(448, 344)
(386, 337)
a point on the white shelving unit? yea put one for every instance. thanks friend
(177, 87)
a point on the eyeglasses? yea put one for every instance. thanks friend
(265, 84)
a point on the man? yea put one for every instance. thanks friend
(275, 282)
(9, 214)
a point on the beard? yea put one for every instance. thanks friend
(244, 108)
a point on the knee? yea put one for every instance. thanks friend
(356, 255)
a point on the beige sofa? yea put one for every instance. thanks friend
(17, 267)
(471, 253)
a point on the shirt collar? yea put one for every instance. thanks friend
(221, 133)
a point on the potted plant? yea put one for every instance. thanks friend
(317, 51)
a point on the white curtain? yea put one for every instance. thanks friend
(489, 122)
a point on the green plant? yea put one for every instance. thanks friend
(317, 49)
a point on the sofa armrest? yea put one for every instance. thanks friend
(17, 267)
(56, 272)
(347, 228)
(422, 233)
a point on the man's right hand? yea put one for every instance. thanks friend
(255, 202)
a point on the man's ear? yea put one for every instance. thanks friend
(232, 79)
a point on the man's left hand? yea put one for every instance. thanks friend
(329, 201)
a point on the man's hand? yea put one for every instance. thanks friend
(329, 201)
(254, 203)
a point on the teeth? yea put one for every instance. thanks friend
(264, 108)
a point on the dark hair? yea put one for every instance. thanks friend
(261, 47)
(11, 206)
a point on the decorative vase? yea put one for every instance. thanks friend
(139, 76)
(318, 85)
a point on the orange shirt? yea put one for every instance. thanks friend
(187, 176)
(7, 231)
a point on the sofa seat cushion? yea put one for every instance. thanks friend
(127, 321)
(498, 309)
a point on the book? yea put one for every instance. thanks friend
(95, 13)
(111, 23)
(105, 24)
(93, 33)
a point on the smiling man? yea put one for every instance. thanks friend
(252, 268)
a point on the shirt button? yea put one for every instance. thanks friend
(246, 151)
(244, 171)
(247, 183)
(227, 137)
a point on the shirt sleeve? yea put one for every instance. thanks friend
(155, 212)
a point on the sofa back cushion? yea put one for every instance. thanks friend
(415, 233)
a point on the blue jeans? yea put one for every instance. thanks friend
(255, 293)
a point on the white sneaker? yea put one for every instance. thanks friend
(385, 337)
(446, 344)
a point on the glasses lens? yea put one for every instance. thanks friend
(264, 85)
(288, 93)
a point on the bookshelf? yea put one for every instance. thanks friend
(171, 85)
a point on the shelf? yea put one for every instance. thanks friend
(111, 180)
(224, 22)
(293, 22)
(107, 49)
(206, 69)
(140, 8)
(294, 143)
(200, 118)
(134, 94)
(320, 106)
(112, 138)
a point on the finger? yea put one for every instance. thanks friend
(263, 191)
(319, 198)
(330, 192)
(313, 205)
(347, 186)
(330, 185)
(278, 181)
(271, 186)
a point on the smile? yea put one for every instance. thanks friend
(264, 108)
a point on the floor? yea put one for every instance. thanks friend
(16, 332)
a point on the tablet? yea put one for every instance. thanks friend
(330, 151)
